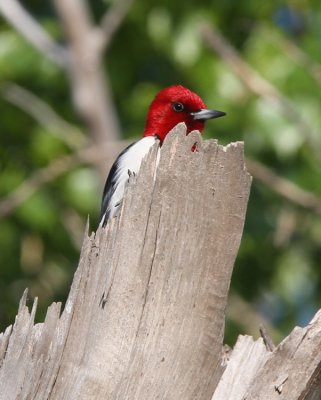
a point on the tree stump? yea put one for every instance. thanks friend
(145, 315)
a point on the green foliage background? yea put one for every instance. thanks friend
(277, 271)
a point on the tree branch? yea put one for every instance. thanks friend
(112, 20)
(43, 114)
(29, 28)
(284, 187)
(296, 54)
(90, 89)
(102, 154)
(257, 84)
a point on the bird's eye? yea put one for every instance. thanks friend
(178, 107)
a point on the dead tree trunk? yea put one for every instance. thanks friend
(145, 315)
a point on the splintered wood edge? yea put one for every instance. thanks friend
(176, 138)
(255, 372)
(247, 355)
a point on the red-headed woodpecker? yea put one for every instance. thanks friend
(171, 106)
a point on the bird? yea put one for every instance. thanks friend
(170, 106)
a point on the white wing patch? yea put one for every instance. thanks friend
(129, 162)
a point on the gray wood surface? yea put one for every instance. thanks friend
(145, 315)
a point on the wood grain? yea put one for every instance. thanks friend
(145, 315)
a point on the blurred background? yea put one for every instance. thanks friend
(76, 80)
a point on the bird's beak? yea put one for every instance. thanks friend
(204, 114)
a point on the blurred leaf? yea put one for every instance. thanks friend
(38, 212)
(278, 266)
(80, 189)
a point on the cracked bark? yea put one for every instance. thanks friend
(145, 315)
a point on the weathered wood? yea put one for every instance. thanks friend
(246, 359)
(292, 371)
(145, 315)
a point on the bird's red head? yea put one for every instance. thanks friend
(177, 104)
